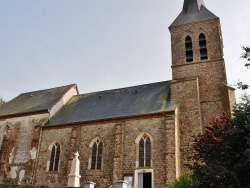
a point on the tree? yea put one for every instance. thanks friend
(221, 155)
(219, 158)
(242, 120)
(245, 55)
(1, 101)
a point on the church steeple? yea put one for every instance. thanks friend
(193, 11)
(199, 81)
(192, 6)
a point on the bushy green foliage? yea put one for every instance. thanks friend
(245, 55)
(184, 181)
(1, 102)
(222, 153)
(242, 120)
(219, 158)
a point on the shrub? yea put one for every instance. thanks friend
(184, 181)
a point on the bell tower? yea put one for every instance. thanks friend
(199, 77)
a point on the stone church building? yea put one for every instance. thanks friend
(141, 134)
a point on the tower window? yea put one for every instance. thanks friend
(203, 47)
(54, 157)
(189, 49)
(145, 152)
(96, 160)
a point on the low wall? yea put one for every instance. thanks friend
(21, 186)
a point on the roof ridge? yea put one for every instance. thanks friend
(129, 87)
(70, 85)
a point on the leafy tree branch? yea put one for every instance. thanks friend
(1, 101)
(245, 55)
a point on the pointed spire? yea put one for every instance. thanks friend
(193, 11)
(192, 6)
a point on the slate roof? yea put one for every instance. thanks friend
(35, 101)
(193, 11)
(118, 103)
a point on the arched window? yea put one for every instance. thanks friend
(203, 47)
(3, 138)
(54, 157)
(145, 151)
(97, 150)
(144, 174)
(189, 49)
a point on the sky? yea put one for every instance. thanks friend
(103, 44)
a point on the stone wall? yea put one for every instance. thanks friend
(210, 28)
(214, 96)
(106, 132)
(53, 179)
(207, 96)
(19, 148)
(20, 186)
(119, 154)
(187, 92)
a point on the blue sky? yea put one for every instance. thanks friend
(101, 44)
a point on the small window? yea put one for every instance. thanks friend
(189, 49)
(54, 157)
(3, 136)
(203, 47)
(3, 142)
(96, 160)
(145, 151)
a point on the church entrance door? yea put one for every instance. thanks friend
(145, 180)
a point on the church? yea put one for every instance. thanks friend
(141, 134)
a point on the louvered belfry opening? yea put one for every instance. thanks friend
(203, 46)
(97, 150)
(54, 157)
(189, 49)
(145, 152)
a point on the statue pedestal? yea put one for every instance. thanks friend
(89, 184)
(74, 176)
(121, 184)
